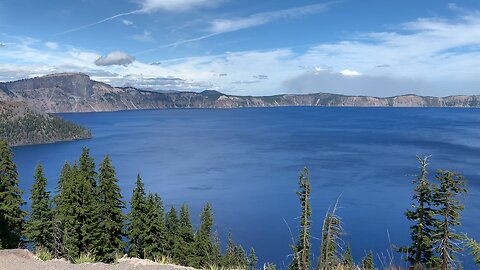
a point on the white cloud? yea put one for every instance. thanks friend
(221, 26)
(431, 56)
(230, 25)
(146, 36)
(350, 73)
(51, 45)
(115, 58)
(174, 5)
(127, 22)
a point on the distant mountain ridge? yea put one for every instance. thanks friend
(76, 92)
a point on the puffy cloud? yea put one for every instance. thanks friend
(51, 45)
(350, 73)
(115, 58)
(3, 45)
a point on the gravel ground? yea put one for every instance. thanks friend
(21, 259)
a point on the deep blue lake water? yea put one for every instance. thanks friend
(246, 162)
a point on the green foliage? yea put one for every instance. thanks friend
(330, 256)
(87, 257)
(58, 246)
(347, 258)
(186, 237)
(112, 220)
(474, 246)
(155, 233)
(269, 266)
(446, 198)
(252, 260)
(301, 251)
(367, 262)
(138, 218)
(21, 125)
(43, 253)
(204, 247)
(171, 223)
(421, 254)
(11, 214)
(235, 256)
(39, 225)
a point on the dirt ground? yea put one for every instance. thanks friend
(20, 259)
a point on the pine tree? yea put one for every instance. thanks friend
(137, 218)
(301, 252)
(452, 185)
(91, 232)
(172, 223)
(205, 248)
(367, 262)
(347, 258)
(87, 167)
(474, 246)
(420, 254)
(11, 214)
(229, 258)
(58, 219)
(39, 225)
(69, 209)
(78, 215)
(252, 260)
(186, 237)
(332, 231)
(156, 232)
(112, 220)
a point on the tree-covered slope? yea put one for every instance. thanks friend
(21, 125)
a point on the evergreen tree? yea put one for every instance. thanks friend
(79, 215)
(172, 224)
(39, 225)
(137, 217)
(474, 246)
(11, 214)
(91, 230)
(301, 252)
(347, 258)
(186, 237)
(252, 260)
(156, 235)
(58, 219)
(420, 254)
(367, 262)
(112, 220)
(332, 230)
(452, 185)
(87, 167)
(205, 248)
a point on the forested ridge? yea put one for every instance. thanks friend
(21, 125)
(84, 220)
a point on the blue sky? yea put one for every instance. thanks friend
(370, 47)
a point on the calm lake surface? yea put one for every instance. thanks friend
(246, 162)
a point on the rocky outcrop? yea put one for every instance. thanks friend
(75, 92)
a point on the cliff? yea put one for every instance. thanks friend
(76, 92)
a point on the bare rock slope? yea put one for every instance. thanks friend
(21, 259)
(76, 92)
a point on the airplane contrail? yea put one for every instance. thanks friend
(174, 44)
(99, 22)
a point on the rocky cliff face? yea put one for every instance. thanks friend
(75, 92)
